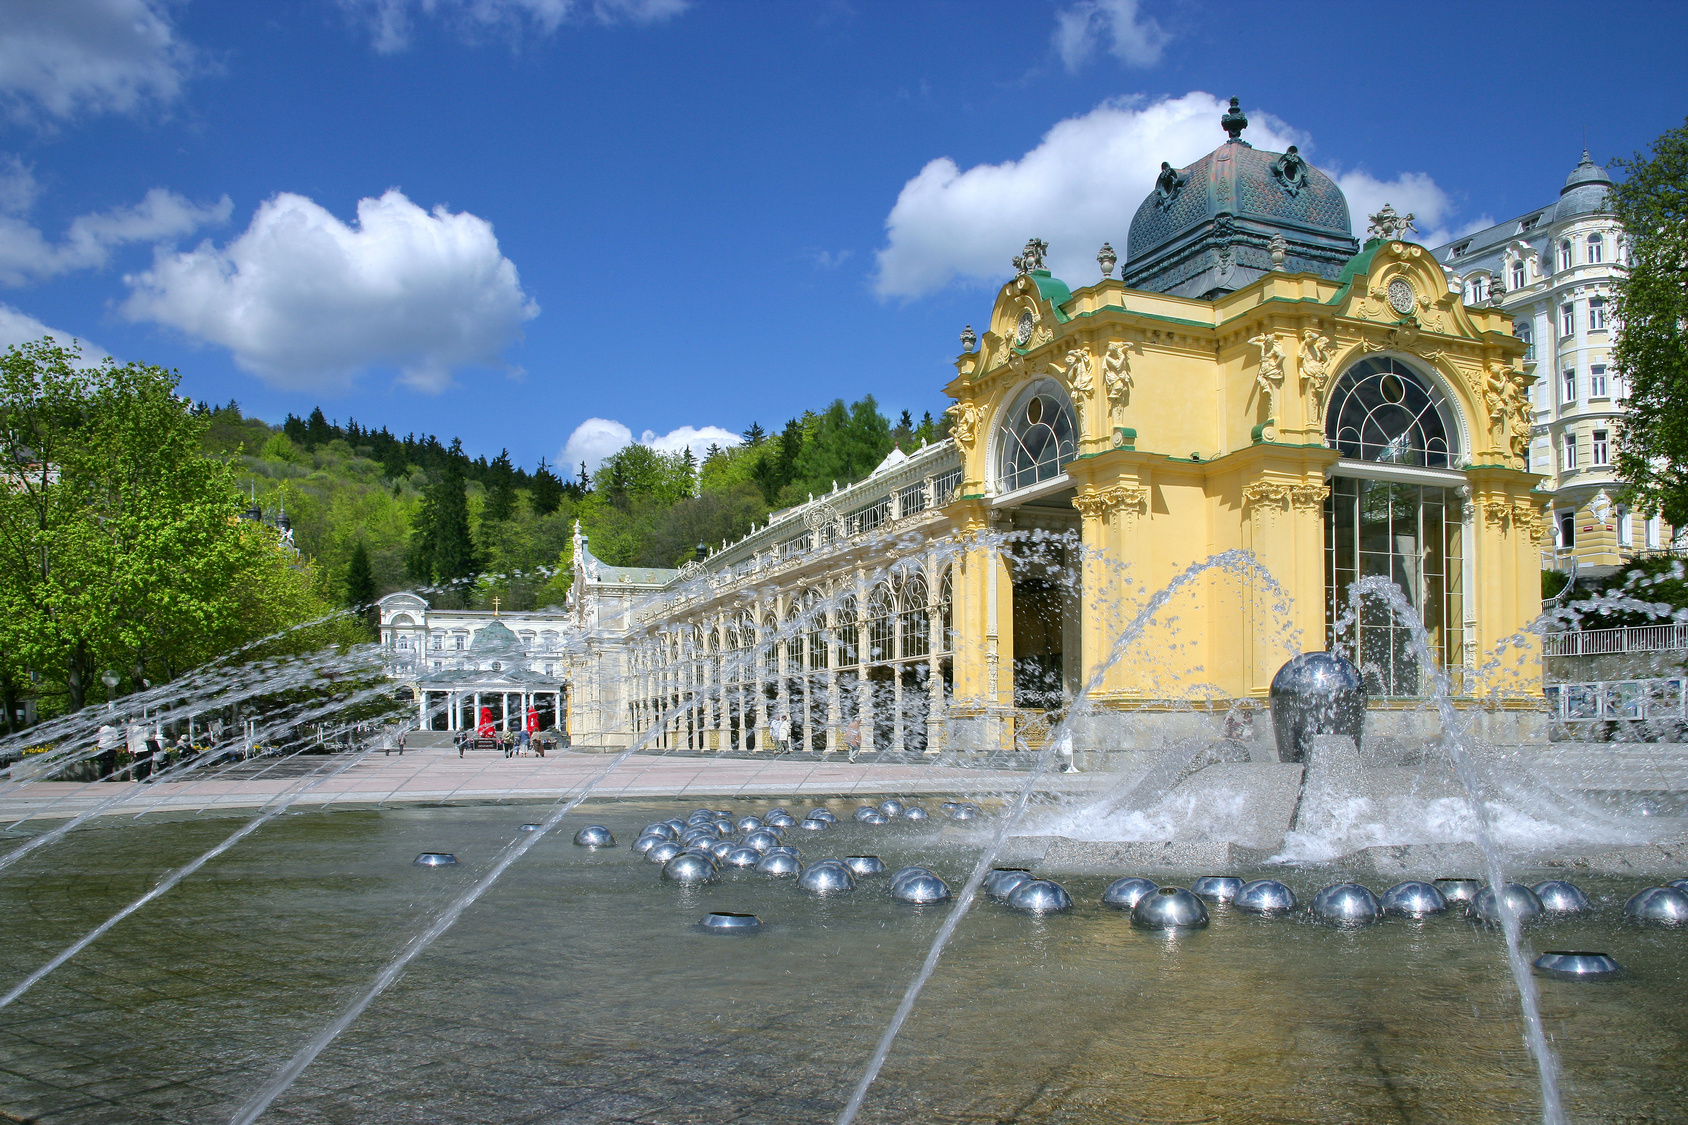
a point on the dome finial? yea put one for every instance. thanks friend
(1234, 121)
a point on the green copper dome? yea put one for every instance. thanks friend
(1208, 229)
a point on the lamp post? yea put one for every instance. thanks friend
(110, 680)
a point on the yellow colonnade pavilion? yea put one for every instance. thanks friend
(1256, 380)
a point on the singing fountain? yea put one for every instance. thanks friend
(475, 960)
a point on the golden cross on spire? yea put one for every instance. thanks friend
(495, 605)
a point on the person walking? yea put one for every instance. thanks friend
(782, 733)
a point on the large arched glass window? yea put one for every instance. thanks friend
(1383, 410)
(1038, 436)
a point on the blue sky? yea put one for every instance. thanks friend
(503, 219)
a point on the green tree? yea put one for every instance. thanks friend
(1651, 309)
(121, 542)
(360, 586)
(501, 489)
(545, 491)
(441, 546)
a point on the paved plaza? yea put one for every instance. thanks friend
(437, 774)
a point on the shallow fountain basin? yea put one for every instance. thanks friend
(567, 936)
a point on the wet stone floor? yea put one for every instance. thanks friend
(579, 990)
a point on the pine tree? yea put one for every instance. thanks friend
(755, 435)
(317, 430)
(501, 490)
(545, 491)
(360, 587)
(441, 547)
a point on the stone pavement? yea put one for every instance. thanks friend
(433, 774)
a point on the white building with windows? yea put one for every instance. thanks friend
(1553, 269)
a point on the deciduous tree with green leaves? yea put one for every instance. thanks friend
(1651, 308)
(121, 542)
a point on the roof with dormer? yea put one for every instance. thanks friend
(1207, 228)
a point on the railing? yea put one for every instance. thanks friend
(1602, 642)
(1617, 701)
(943, 489)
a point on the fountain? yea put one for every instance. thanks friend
(1327, 821)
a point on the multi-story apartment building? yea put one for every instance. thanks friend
(1553, 269)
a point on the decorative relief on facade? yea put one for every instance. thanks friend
(1264, 495)
(1270, 375)
(1116, 379)
(967, 419)
(1526, 516)
(1031, 258)
(1079, 377)
(1497, 513)
(1109, 503)
(1315, 371)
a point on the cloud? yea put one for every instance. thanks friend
(1078, 188)
(595, 439)
(305, 301)
(18, 327)
(96, 56)
(1412, 192)
(1080, 30)
(26, 254)
(1081, 186)
(390, 22)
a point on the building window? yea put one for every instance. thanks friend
(1565, 530)
(1567, 257)
(1617, 384)
(1460, 249)
(1567, 320)
(1655, 532)
(1382, 410)
(1518, 274)
(1570, 378)
(1597, 315)
(1597, 380)
(1596, 249)
(1626, 529)
(459, 644)
(1569, 460)
(1600, 448)
(1038, 437)
(1415, 536)
(1521, 329)
(1477, 290)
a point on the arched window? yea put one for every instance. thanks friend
(879, 623)
(1383, 410)
(1526, 334)
(1517, 275)
(849, 651)
(1596, 249)
(946, 610)
(1566, 255)
(1038, 436)
(913, 622)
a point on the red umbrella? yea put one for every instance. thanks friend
(532, 720)
(485, 729)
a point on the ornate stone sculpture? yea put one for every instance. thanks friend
(1106, 258)
(1234, 121)
(1315, 370)
(1522, 413)
(1116, 379)
(1279, 249)
(1265, 495)
(1079, 377)
(1031, 258)
(966, 426)
(1108, 504)
(1271, 373)
(1390, 224)
(1497, 400)
(969, 339)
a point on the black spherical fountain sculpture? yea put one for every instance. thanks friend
(1316, 693)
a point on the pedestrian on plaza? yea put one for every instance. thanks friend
(402, 733)
(782, 733)
(853, 737)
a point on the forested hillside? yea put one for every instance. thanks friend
(424, 512)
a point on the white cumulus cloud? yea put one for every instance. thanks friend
(18, 327)
(596, 439)
(305, 301)
(1412, 192)
(27, 255)
(1079, 188)
(1089, 25)
(391, 22)
(66, 56)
